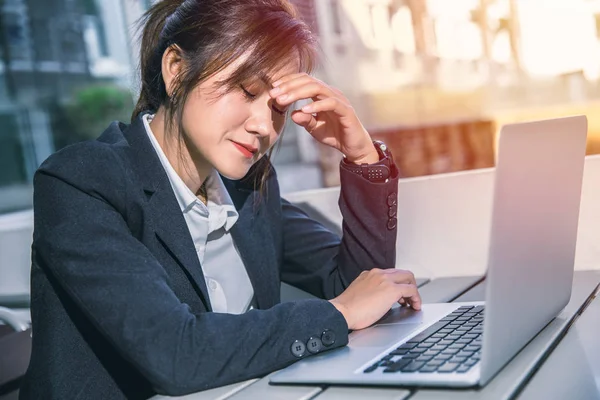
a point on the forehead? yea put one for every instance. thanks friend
(273, 72)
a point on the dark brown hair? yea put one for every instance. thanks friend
(210, 35)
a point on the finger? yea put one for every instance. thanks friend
(307, 90)
(288, 78)
(295, 82)
(410, 293)
(307, 121)
(402, 276)
(328, 104)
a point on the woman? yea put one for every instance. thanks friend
(159, 248)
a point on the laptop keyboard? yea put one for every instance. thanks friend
(453, 344)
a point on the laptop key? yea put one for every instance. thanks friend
(448, 367)
(464, 308)
(457, 359)
(408, 346)
(427, 332)
(436, 363)
(471, 362)
(428, 369)
(399, 352)
(443, 357)
(413, 367)
(464, 353)
(411, 356)
(423, 358)
(450, 351)
(431, 353)
(371, 368)
(398, 365)
(463, 368)
(418, 350)
(432, 340)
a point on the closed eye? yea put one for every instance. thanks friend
(251, 96)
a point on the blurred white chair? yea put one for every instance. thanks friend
(16, 233)
(444, 220)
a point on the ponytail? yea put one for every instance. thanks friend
(153, 22)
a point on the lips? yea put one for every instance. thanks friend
(246, 149)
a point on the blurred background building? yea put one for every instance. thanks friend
(433, 78)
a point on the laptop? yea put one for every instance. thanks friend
(530, 266)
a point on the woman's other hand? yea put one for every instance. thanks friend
(373, 293)
(330, 118)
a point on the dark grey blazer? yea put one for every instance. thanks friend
(120, 307)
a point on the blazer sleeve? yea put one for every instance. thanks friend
(323, 264)
(82, 240)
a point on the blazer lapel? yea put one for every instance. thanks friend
(168, 221)
(253, 239)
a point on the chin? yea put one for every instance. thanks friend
(232, 172)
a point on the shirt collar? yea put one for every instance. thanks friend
(219, 209)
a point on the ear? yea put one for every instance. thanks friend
(172, 62)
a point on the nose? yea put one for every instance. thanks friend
(261, 121)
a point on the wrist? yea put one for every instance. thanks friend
(343, 310)
(370, 158)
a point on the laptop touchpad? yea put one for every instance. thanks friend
(381, 335)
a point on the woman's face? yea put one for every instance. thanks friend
(231, 131)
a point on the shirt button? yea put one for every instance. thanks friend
(298, 348)
(328, 337)
(212, 284)
(314, 345)
(392, 212)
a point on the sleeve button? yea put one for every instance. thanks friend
(314, 345)
(392, 199)
(328, 337)
(392, 222)
(298, 348)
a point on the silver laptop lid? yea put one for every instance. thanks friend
(537, 194)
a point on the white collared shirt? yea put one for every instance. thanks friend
(228, 284)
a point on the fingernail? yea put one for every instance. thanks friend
(307, 109)
(282, 97)
(276, 83)
(275, 92)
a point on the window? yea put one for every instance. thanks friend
(46, 82)
(336, 22)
